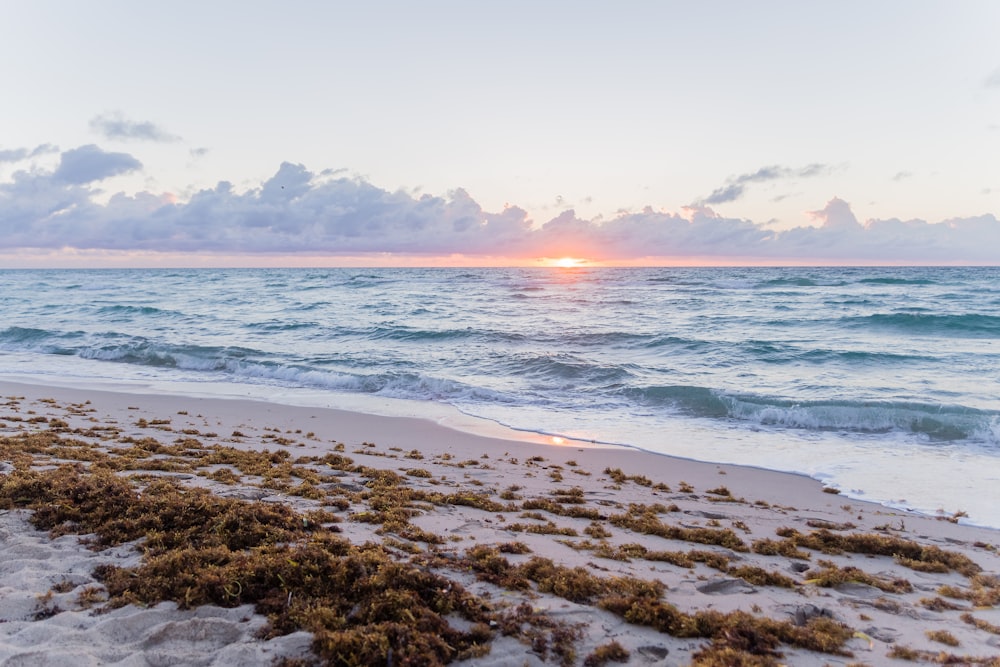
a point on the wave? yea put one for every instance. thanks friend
(21, 335)
(897, 281)
(971, 324)
(306, 307)
(273, 326)
(410, 334)
(413, 335)
(693, 401)
(242, 364)
(792, 282)
(752, 351)
(802, 281)
(859, 358)
(129, 310)
(144, 352)
(566, 370)
(934, 421)
(366, 281)
(606, 339)
(28, 339)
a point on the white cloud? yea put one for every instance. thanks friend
(297, 211)
(837, 214)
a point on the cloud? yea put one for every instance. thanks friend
(837, 214)
(89, 163)
(735, 186)
(902, 176)
(727, 193)
(298, 211)
(114, 125)
(993, 80)
(19, 154)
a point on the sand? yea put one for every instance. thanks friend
(54, 611)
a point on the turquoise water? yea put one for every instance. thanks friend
(883, 382)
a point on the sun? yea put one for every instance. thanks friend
(569, 262)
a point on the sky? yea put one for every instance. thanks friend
(489, 133)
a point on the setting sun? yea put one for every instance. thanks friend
(569, 262)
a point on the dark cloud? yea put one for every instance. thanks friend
(735, 186)
(115, 126)
(297, 211)
(87, 164)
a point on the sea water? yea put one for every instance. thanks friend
(882, 382)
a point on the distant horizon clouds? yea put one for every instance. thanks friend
(298, 212)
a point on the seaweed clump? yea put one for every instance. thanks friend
(645, 521)
(362, 606)
(907, 552)
(735, 638)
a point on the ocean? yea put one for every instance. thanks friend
(884, 383)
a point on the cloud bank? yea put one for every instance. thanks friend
(299, 212)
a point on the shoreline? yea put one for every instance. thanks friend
(363, 417)
(355, 427)
(577, 509)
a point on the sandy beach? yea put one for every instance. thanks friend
(171, 530)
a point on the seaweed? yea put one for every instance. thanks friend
(907, 552)
(942, 636)
(787, 548)
(649, 524)
(734, 633)
(981, 624)
(558, 508)
(605, 653)
(832, 575)
(199, 549)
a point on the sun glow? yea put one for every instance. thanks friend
(569, 262)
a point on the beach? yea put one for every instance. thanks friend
(466, 549)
